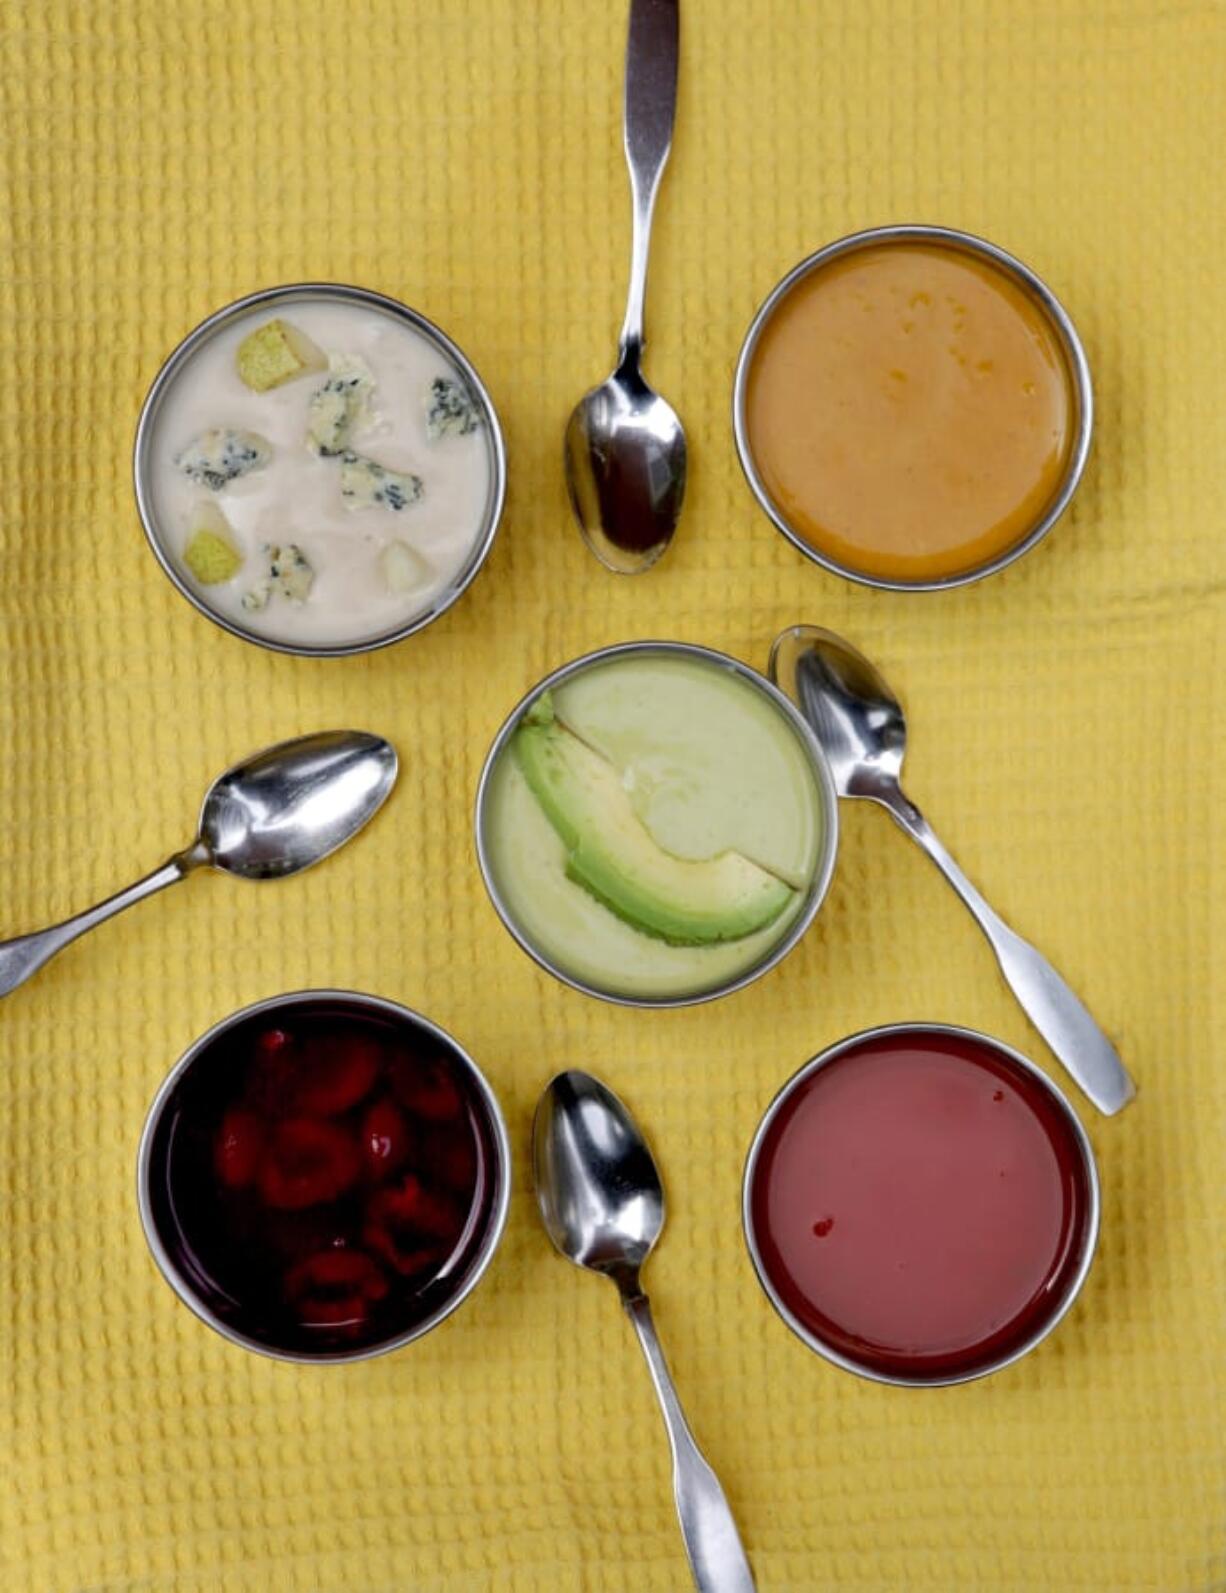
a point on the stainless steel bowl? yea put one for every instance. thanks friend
(278, 299)
(1078, 1277)
(402, 1017)
(821, 773)
(1035, 288)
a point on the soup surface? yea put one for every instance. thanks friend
(371, 560)
(920, 1204)
(700, 767)
(324, 1178)
(910, 411)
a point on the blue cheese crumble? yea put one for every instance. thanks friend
(367, 485)
(450, 411)
(340, 405)
(220, 455)
(289, 574)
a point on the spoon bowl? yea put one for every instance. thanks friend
(625, 453)
(268, 817)
(625, 471)
(294, 804)
(602, 1204)
(597, 1184)
(848, 704)
(861, 727)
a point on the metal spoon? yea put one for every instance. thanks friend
(625, 447)
(273, 815)
(603, 1206)
(861, 727)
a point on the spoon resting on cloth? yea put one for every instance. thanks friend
(268, 817)
(602, 1204)
(625, 451)
(860, 725)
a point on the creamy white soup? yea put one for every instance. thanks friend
(335, 504)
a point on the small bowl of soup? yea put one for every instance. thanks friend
(921, 1204)
(324, 1176)
(656, 825)
(319, 470)
(913, 408)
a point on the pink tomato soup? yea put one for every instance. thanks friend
(921, 1205)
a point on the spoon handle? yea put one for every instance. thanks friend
(1055, 1010)
(26, 954)
(652, 53)
(712, 1543)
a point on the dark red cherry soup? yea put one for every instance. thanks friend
(324, 1177)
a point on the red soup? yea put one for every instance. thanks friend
(921, 1205)
(325, 1177)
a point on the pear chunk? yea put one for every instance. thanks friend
(277, 352)
(210, 553)
(403, 569)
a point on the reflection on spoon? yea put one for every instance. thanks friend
(602, 1204)
(270, 816)
(863, 733)
(625, 452)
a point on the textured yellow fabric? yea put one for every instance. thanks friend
(161, 157)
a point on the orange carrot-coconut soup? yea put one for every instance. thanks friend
(910, 411)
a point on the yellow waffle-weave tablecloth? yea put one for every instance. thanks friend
(1068, 727)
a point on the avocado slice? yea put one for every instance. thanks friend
(614, 857)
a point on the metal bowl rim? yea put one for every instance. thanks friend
(289, 293)
(823, 871)
(1034, 285)
(1094, 1199)
(388, 1008)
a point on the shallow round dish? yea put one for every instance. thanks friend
(921, 1205)
(826, 809)
(187, 1201)
(274, 302)
(1056, 321)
